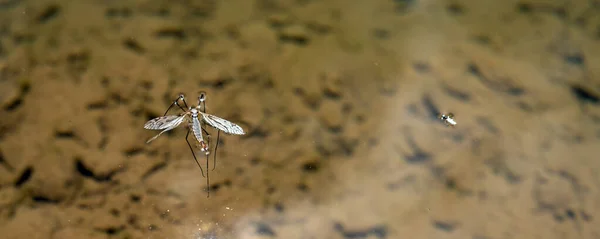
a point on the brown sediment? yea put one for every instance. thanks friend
(340, 104)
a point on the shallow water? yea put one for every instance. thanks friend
(340, 103)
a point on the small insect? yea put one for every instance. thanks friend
(169, 122)
(448, 119)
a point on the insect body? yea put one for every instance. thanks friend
(448, 119)
(197, 129)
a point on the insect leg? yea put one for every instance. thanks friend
(207, 160)
(208, 139)
(156, 136)
(207, 178)
(184, 103)
(205, 132)
(201, 102)
(216, 147)
(176, 102)
(193, 154)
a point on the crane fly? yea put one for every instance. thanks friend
(193, 116)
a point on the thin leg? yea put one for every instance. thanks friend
(175, 102)
(208, 139)
(207, 179)
(216, 147)
(169, 108)
(202, 100)
(184, 109)
(184, 103)
(207, 159)
(193, 154)
(205, 132)
(207, 135)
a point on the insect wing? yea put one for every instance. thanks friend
(164, 122)
(222, 124)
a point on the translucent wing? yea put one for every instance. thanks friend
(222, 124)
(164, 123)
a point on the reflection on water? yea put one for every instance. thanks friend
(340, 102)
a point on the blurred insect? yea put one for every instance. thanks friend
(448, 119)
(169, 122)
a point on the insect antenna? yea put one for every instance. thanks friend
(193, 154)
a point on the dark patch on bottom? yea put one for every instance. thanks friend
(403, 6)
(133, 46)
(311, 167)
(487, 124)
(100, 105)
(215, 187)
(265, 230)
(258, 133)
(379, 231)
(584, 95)
(421, 67)
(574, 59)
(44, 199)
(444, 226)
(302, 187)
(432, 110)
(12, 106)
(570, 214)
(279, 207)
(114, 230)
(64, 134)
(380, 33)
(482, 39)
(157, 167)
(87, 172)
(135, 198)
(133, 151)
(25, 176)
(457, 94)
(296, 40)
(418, 155)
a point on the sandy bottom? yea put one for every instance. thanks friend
(339, 101)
